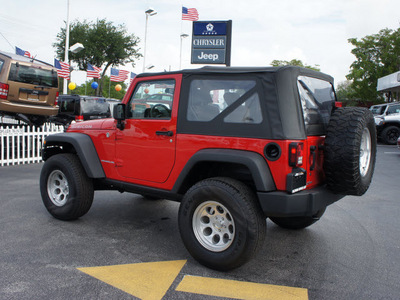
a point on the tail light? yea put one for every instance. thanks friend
(78, 118)
(338, 104)
(297, 179)
(296, 151)
(56, 101)
(4, 90)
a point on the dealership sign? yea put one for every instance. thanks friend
(211, 42)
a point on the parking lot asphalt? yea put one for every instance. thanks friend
(353, 252)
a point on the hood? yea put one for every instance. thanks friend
(99, 124)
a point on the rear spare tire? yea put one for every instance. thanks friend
(350, 151)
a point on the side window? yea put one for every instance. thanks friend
(247, 112)
(393, 109)
(67, 105)
(152, 100)
(233, 100)
(1, 64)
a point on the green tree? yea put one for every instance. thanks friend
(344, 91)
(105, 45)
(108, 90)
(376, 55)
(346, 95)
(293, 62)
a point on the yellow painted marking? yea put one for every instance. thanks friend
(145, 280)
(239, 289)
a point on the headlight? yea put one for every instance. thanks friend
(378, 121)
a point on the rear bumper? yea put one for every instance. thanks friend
(304, 203)
(29, 109)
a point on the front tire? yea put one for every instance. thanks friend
(67, 192)
(390, 135)
(221, 223)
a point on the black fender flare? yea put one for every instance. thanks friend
(84, 148)
(257, 165)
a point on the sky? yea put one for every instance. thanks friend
(313, 31)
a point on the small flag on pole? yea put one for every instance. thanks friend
(19, 51)
(93, 71)
(189, 14)
(133, 75)
(62, 68)
(118, 75)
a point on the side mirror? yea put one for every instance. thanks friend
(119, 115)
(119, 112)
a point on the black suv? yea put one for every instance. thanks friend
(233, 145)
(81, 108)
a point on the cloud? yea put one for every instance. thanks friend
(315, 32)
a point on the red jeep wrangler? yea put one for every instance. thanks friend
(233, 145)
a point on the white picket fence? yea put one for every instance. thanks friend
(22, 144)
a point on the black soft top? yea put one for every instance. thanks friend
(212, 70)
(277, 88)
(281, 104)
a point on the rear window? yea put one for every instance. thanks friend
(95, 106)
(85, 106)
(33, 75)
(317, 100)
(1, 64)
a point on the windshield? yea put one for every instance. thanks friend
(378, 110)
(33, 75)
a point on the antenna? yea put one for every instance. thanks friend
(8, 42)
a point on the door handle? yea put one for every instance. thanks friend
(167, 133)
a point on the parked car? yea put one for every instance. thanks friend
(388, 128)
(380, 110)
(279, 147)
(80, 108)
(28, 88)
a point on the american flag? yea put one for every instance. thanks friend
(118, 75)
(62, 68)
(19, 51)
(93, 71)
(133, 75)
(189, 14)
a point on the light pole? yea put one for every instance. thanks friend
(183, 35)
(66, 48)
(74, 49)
(149, 12)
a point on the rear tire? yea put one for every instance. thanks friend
(350, 151)
(67, 192)
(221, 223)
(297, 222)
